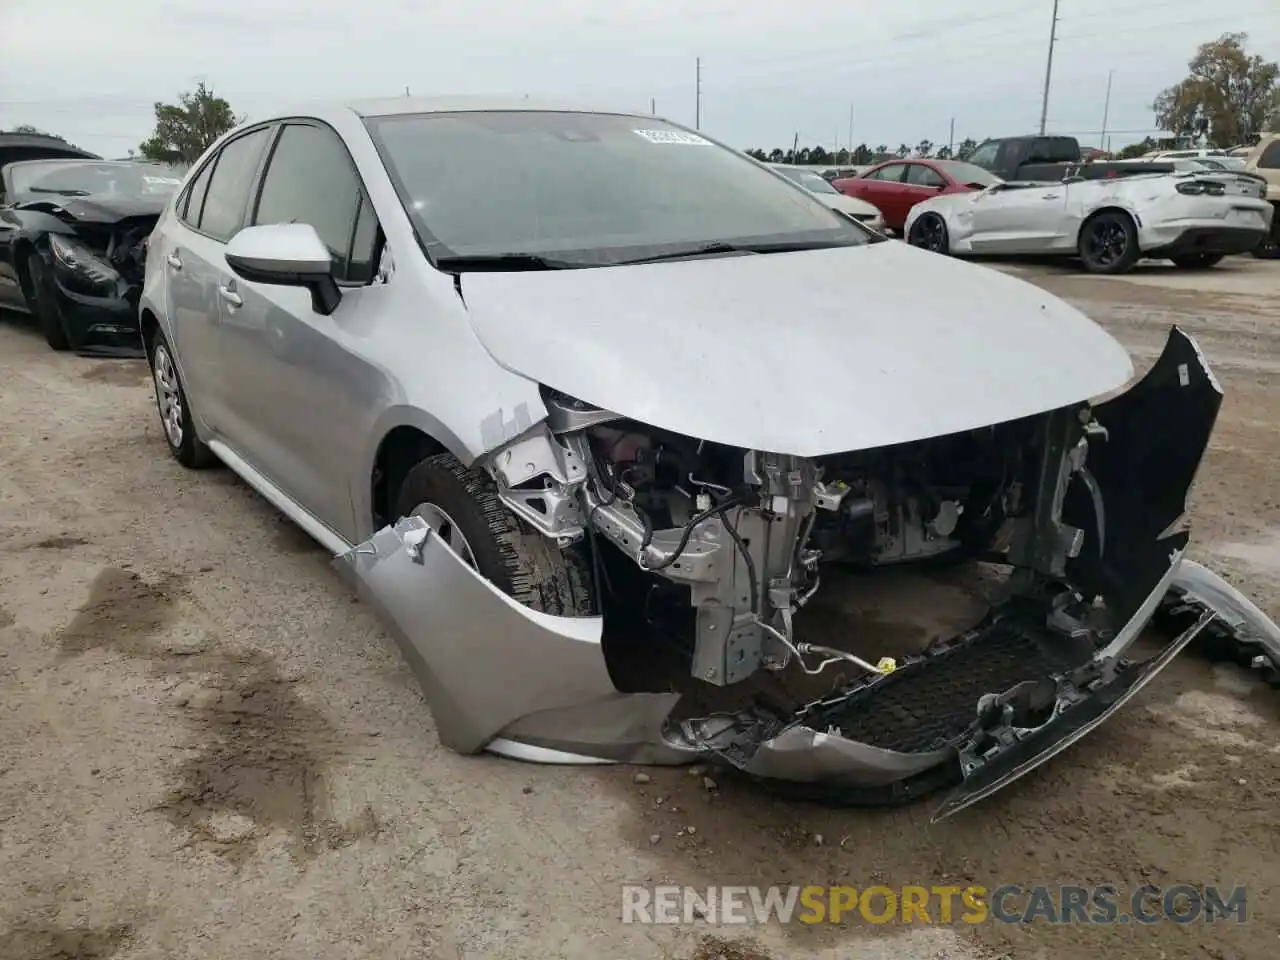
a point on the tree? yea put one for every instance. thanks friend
(818, 156)
(903, 150)
(924, 148)
(841, 157)
(862, 155)
(185, 130)
(882, 150)
(1135, 150)
(757, 153)
(1226, 96)
(775, 155)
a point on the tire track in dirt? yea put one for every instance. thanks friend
(262, 749)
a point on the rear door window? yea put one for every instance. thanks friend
(192, 202)
(1270, 159)
(922, 176)
(229, 187)
(892, 172)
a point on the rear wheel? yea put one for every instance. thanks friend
(1109, 242)
(43, 303)
(175, 411)
(1197, 261)
(929, 232)
(462, 506)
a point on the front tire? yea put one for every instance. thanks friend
(43, 304)
(463, 508)
(175, 410)
(929, 232)
(1108, 243)
(1197, 261)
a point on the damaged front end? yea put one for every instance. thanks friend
(703, 555)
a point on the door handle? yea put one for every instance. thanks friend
(174, 261)
(1050, 196)
(229, 295)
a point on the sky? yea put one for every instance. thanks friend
(830, 73)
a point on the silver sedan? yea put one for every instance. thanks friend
(585, 404)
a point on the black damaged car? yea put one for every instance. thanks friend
(73, 241)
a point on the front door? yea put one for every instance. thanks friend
(1019, 219)
(289, 376)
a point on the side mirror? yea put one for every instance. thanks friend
(286, 254)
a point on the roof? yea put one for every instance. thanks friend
(393, 106)
(13, 146)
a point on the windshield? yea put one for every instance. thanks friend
(808, 179)
(587, 189)
(80, 178)
(966, 173)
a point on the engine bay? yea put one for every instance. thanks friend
(726, 545)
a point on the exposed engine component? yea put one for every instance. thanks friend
(731, 541)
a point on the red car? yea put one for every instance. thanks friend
(896, 186)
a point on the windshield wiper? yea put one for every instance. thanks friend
(720, 246)
(502, 262)
(67, 192)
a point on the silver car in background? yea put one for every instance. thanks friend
(587, 430)
(865, 213)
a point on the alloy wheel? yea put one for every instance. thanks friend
(1107, 242)
(168, 395)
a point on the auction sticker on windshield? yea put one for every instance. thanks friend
(674, 136)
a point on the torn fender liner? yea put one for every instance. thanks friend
(485, 663)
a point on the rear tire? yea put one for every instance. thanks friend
(1197, 261)
(929, 232)
(175, 410)
(519, 561)
(1108, 243)
(43, 303)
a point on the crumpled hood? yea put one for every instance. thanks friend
(99, 208)
(805, 353)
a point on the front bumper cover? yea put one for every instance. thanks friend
(989, 706)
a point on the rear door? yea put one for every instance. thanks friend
(921, 183)
(292, 382)
(883, 188)
(209, 213)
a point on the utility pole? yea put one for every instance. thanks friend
(653, 106)
(697, 104)
(951, 138)
(406, 91)
(851, 131)
(795, 146)
(1048, 68)
(1106, 110)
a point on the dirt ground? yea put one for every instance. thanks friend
(208, 750)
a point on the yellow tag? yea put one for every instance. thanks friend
(887, 665)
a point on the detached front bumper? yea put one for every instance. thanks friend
(975, 712)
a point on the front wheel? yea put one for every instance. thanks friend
(929, 232)
(1197, 261)
(1109, 242)
(43, 303)
(462, 507)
